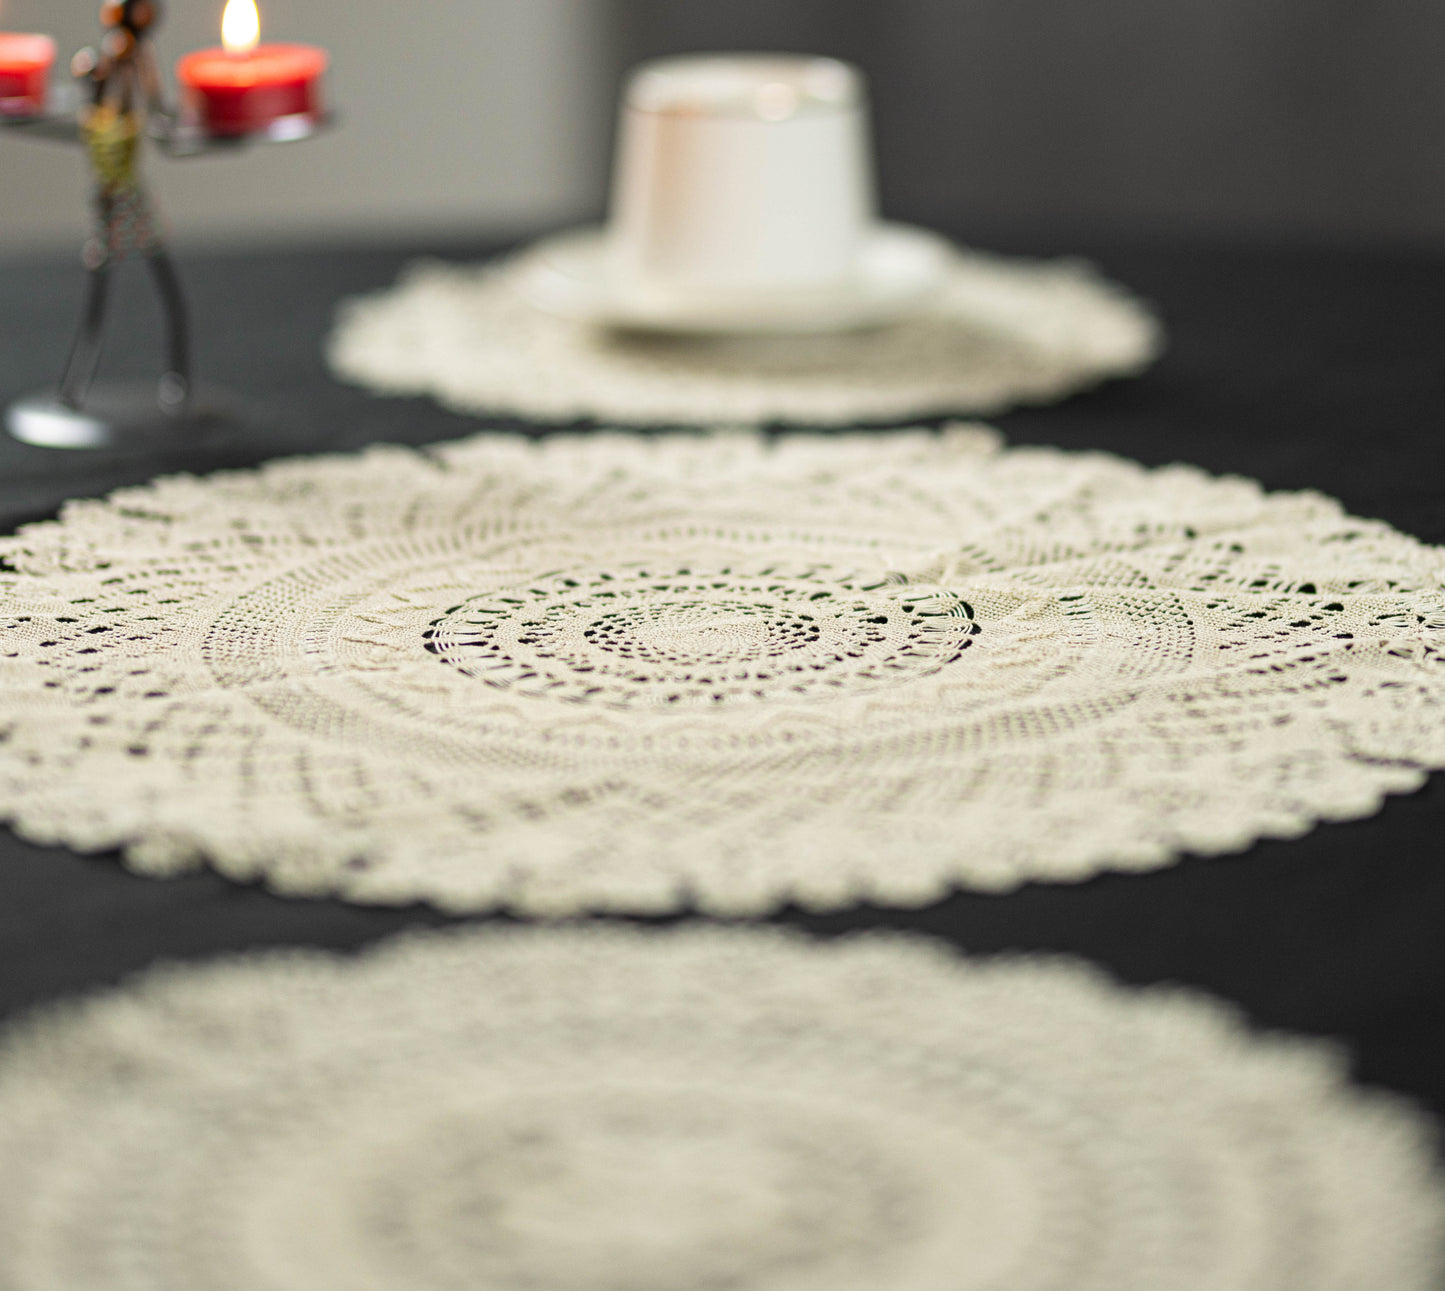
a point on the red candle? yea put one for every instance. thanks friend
(247, 87)
(24, 72)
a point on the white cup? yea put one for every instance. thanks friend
(746, 172)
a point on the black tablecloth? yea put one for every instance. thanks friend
(1302, 368)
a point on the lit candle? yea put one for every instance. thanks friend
(247, 87)
(24, 72)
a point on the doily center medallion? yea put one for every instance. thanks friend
(622, 1191)
(657, 637)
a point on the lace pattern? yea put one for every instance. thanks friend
(1002, 332)
(641, 673)
(615, 1110)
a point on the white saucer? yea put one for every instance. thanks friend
(898, 269)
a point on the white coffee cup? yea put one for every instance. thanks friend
(745, 172)
(743, 203)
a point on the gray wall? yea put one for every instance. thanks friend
(475, 117)
(1322, 119)
(1319, 119)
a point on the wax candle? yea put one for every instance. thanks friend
(246, 87)
(25, 62)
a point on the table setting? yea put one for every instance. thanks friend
(790, 303)
(626, 782)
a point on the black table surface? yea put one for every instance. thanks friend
(1303, 368)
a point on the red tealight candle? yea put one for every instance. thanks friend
(24, 73)
(246, 87)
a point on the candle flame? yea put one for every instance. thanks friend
(240, 26)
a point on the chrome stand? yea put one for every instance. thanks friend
(119, 415)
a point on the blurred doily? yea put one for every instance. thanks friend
(1002, 332)
(634, 672)
(606, 1110)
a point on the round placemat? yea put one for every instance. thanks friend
(608, 1110)
(1000, 332)
(641, 673)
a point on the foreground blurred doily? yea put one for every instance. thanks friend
(1000, 333)
(633, 672)
(606, 1110)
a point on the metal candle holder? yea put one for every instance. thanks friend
(83, 413)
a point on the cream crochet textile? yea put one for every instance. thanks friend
(600, 1110)
(1002, 332)
(637, 673)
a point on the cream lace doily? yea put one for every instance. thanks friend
(600, 1110)
(633, 673)
(1002, 332)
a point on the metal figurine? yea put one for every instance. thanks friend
(124, 87)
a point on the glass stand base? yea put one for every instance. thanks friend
(120, 415)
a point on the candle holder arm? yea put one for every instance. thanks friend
(59, 122)
(184, 136)
(173, 133)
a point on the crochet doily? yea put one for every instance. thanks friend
(626, 672)
(1000, 333)
(607, 1110)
